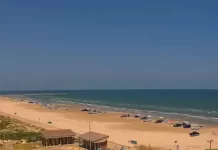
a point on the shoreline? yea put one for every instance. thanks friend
(120, 130)
(202, 103)
(176, 117)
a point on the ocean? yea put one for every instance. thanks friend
(199, 106)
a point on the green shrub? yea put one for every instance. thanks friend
(29, 136)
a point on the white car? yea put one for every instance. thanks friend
(147, 120)
(195, 127)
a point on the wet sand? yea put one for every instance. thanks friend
(120, 130)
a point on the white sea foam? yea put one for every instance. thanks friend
(44, 94)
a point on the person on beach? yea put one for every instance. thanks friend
(177, 147)
(122, 148)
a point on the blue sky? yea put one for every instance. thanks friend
(57, 44)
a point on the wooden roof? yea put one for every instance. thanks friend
(93, 136)
(51, 148)
(58, 133)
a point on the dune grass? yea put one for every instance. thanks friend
(12, 129)
(29, 136)
(143, 147)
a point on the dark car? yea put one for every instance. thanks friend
(177, 125)
(194, 133)
(159, 121)
(125, 115)
(186, 125)
(137, 116)
(143, 118)
(85, 109)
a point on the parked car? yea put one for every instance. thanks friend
(143, 118)
(186, 124)
(125, 115)
(147, 120)
(195, 127)
(159, 121)
(177, 125)
(85, 109)
(137, 116)
(194, 133)
(94, 112)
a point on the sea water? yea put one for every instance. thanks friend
(199, 106)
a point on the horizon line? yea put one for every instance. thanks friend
(29, 90)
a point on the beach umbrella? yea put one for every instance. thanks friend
(186, 122)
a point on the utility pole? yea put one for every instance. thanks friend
(90, 147)
(210, 141)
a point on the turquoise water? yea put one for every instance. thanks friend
(197, 105)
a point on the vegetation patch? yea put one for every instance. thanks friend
(143, 147)
(12, 129)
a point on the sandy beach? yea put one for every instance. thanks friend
(120, 130)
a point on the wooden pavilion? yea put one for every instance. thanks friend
(97, 140)
(56, 137)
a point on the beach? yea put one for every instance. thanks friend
(120, 130)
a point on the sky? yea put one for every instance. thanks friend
(53, 44)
